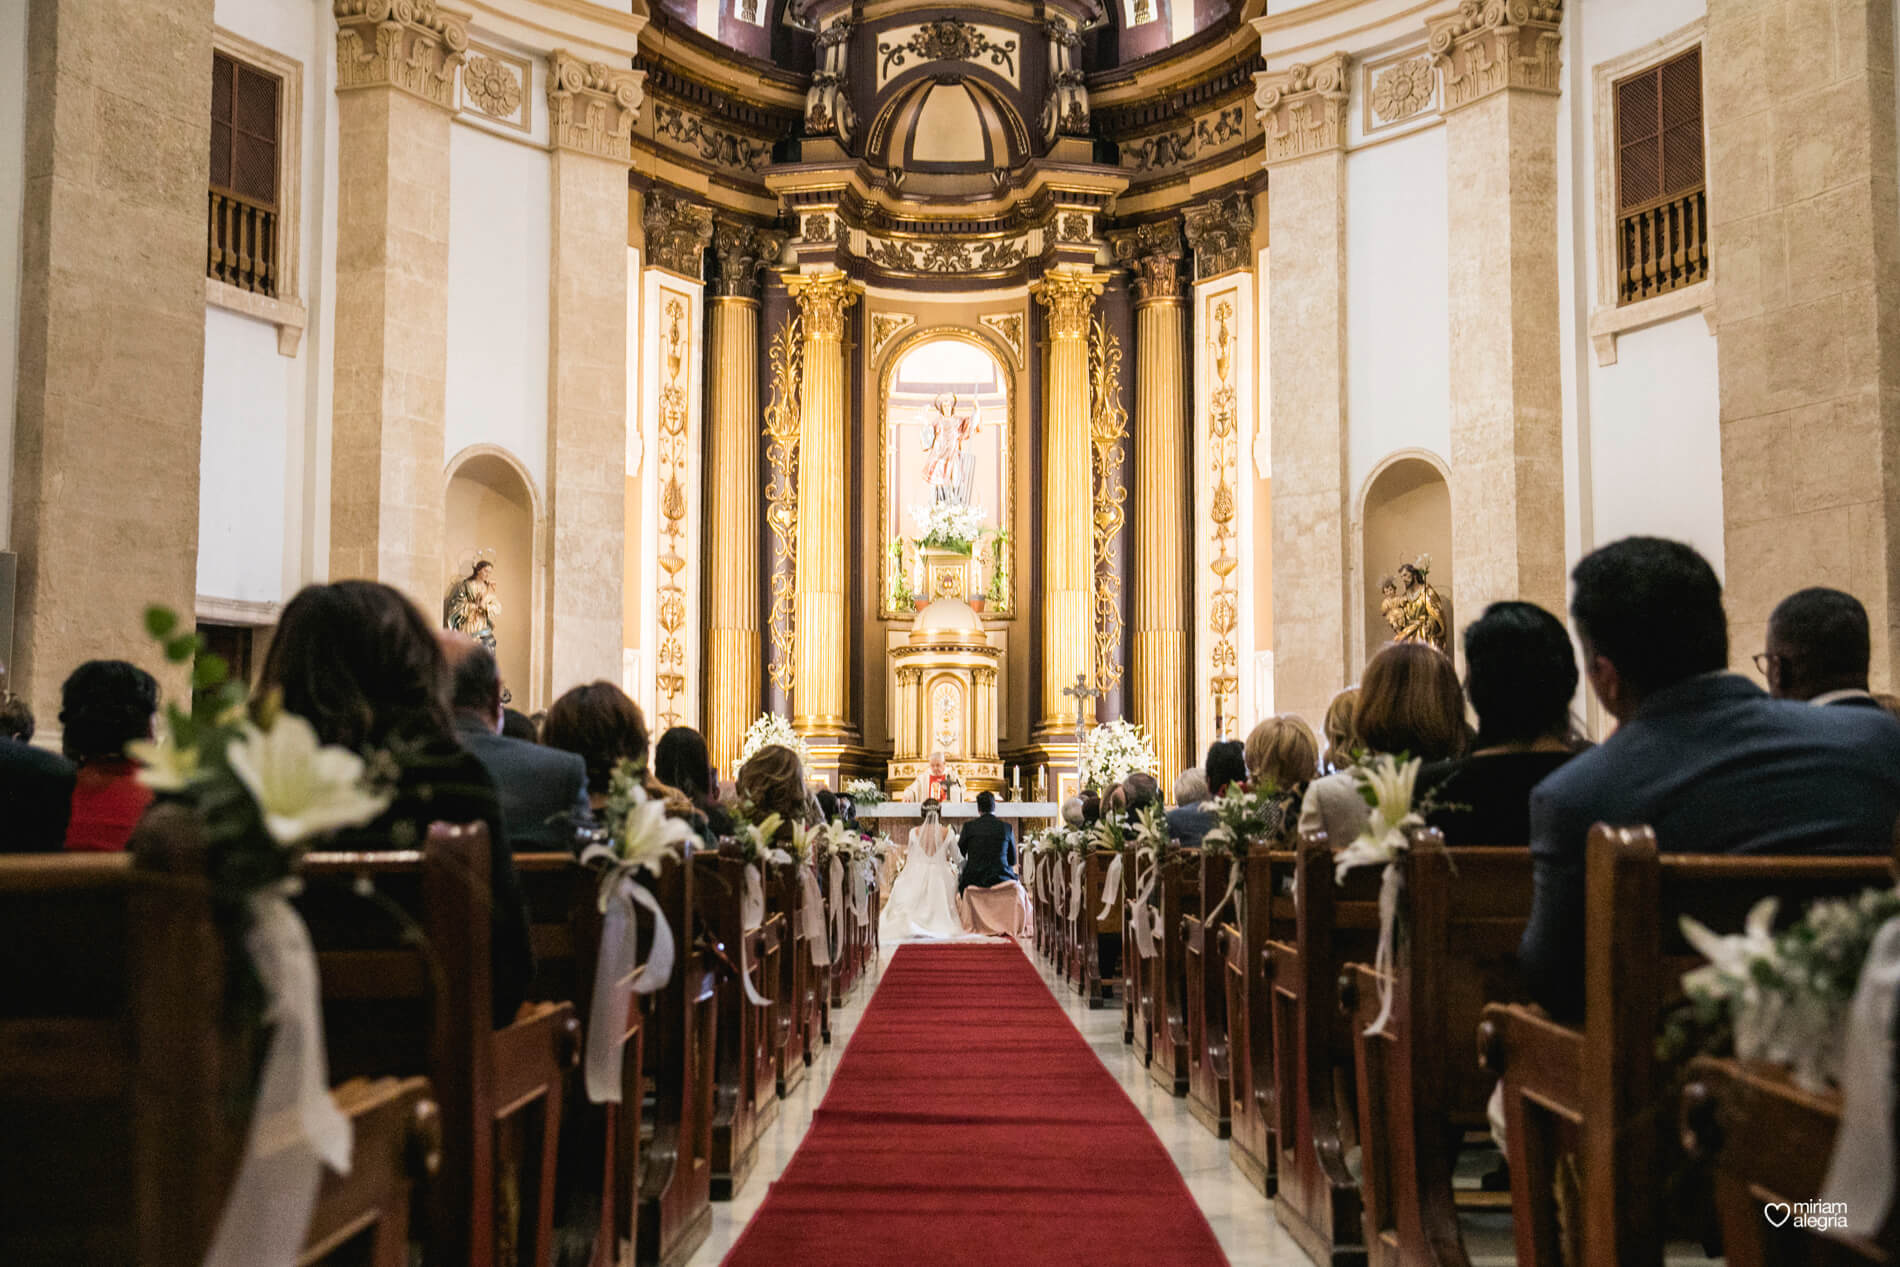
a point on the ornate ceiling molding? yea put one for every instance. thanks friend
(1303, 108)
(1221, 234)
(592, 106)
(1152, 252)
(719, 146)
(1178, 146)
(948, 40)
(414, 47)
(1490, 46)
(677, 234)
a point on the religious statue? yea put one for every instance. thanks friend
(1416, 613)
(474, 604)
(947, 468)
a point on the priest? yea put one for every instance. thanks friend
(939, 783)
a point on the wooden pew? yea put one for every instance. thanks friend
(1091, 932)
(598, 1176)
(675, 1210)
(1461, 915)
(1204, 996)
(796, 996)
(1601, 1081)
(745, 1093)
(1261, 913)
(1137, 980)
(1770, 1141)
(1316, 1198)
(406, 989)
(123, 1082)
(1179, 895)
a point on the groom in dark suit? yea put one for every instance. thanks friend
(989, 848)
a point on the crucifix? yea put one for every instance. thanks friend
(1081, 693)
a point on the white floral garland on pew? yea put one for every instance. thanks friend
(1387, 784)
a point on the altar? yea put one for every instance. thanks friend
(906, 812)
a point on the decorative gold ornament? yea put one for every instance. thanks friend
(886, 326)
(822, 299)
(678, 234)
(1009, 328)
(1221, 235)
(1223, 453)
(781, 496)
(670, 667)
(1108, 430)
(1070, 299)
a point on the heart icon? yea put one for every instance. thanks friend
(1777, 1212)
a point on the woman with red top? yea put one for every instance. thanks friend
(105, 705)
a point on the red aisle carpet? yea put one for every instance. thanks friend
(969, 1123)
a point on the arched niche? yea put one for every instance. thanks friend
(492, 510)
(1404, 511)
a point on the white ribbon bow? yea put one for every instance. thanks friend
(1111, 887)
(1233, 883)
(751, 916)
(811, 915)
(838, 900)
(1860, 1175)
(1078, 869)
(296, 1128)
(618, 972)
(1139, 916)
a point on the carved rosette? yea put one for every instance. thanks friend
(1221, 235)
(1303, 108)
(822, 299)
(1404, 89)
(414, 46)
(744, 252)
(1152, 253)
(592, 106)
(1489, 46)
(492, 86)
(1070, 299)
(677, 234)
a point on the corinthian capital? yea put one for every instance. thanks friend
(592, 106)
(1221, 233)
(1152, 252)
(822, 299)
(1303, 108)
(1490, 46)
(1069, 297)
(413, 46)
(744, 251)
(677, 234)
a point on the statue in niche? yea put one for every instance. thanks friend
(1413, 608)
(473, 605)
(948, 469)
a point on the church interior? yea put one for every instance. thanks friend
(1364, 530)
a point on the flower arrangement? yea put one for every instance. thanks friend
(771, 730)
(641, 837)
(1112, 752)
(1784, 997)
(866, 792)
(948, 526)
(1109, 835)
(1244, 816)
(997, 591)
(1387, 783)
(1151, 831)
(901, 595)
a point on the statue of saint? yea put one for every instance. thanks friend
(1417, 613)
(947, 468)
(474, 603)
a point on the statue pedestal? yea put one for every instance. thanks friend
(946, 574)
(946, 674)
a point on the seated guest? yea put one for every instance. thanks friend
(990, 898)
(605, 727)
(1190, 787)
(1409, 704)
(36, 788)
(680, 761)
(1226, 764)
(827, 804)
(1139, 790)
(1283, 757)
(1701, 755)
(1341, 739)
(105, 705)
(1520, 675)
(16, 718)
(773, 782)
(543, 790)
(358, 662)
(518, 725)
(1818, 649)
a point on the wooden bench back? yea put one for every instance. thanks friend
(1242, 948)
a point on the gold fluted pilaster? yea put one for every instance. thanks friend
(732, 651)
(1068, 563)
(819, 586)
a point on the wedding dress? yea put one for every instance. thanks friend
(923, 902)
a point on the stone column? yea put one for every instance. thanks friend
(1068, 559)
(734, 490)
(1799, 99)
(591, 112)
(1502, 77)
(395, 95)
(1303, 111)
(819, 600)
(1160, 678)
(111, 333)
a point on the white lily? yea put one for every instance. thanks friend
(1384, 836)
(1731, 957)
(758, 836)
(163, 765)
(647, 837)
(303, 788)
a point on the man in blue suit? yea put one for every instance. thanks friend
(543, 790)
(1701, 755)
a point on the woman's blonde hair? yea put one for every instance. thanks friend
(1282, 753)
(772, 781)
(1341, 737)
(1410, 702)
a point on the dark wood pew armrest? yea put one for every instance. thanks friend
(1542, 1057)
(532, 1054)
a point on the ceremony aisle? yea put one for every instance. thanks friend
(968, 1122)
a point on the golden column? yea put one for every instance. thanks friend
(819, 585)
(732, 510)
(1068, 561)
(1159, 698)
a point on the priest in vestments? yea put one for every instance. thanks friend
(938, 784)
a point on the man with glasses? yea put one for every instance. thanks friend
(1818, 649)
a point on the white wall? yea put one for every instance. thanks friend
(12, 196)
(1398, 349)
(249, 391)
(499, 242)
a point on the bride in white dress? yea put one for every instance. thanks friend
(923, 902)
